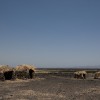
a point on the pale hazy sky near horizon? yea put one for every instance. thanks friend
(50, 33)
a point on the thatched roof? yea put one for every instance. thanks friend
(80, 72)
(24, 67)
(76, 73)
(97, 75)
(98, 72)
(5, 68)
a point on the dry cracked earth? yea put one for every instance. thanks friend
(50, 88)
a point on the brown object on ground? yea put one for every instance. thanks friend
(25, 71)
(80, 74)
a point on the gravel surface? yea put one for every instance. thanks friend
(50, 88)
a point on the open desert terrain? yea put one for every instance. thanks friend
(50, 87)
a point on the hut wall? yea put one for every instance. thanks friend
(22, 74)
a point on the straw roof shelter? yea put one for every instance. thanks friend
(80, 74)
(25, 71)
(97, 75)
(6, 72)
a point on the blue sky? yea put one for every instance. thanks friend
(50, 33)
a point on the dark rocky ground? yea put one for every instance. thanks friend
(50, 88)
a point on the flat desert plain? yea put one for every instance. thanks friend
(50, 87)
